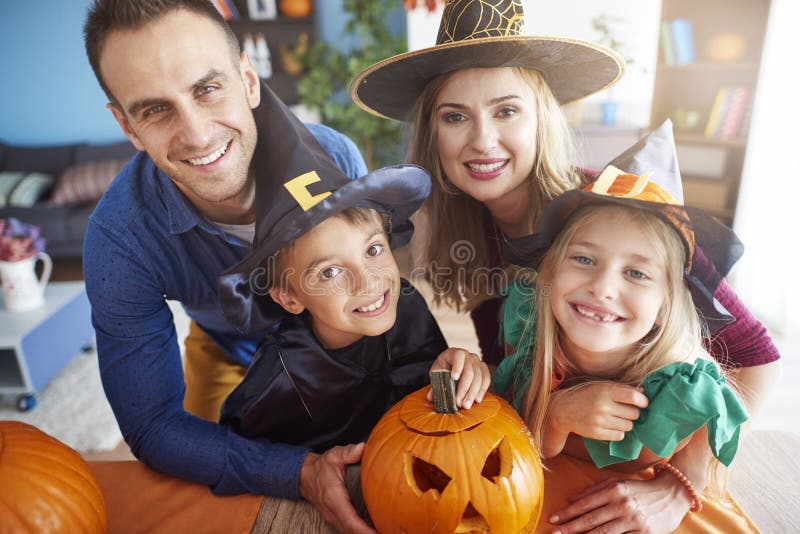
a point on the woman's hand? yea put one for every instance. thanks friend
(616, 506)
(468, 369)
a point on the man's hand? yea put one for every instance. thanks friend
(469, 371)
(322, 484)
(616, 506)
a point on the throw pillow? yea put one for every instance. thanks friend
(23, 189)
(85, 182)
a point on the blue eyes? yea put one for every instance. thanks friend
(639, 275)
(589, 262)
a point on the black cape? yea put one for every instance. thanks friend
(298, 393)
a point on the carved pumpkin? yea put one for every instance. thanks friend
(473, 470)
(46, 486)
(296, 8)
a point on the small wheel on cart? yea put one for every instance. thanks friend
(26, 402)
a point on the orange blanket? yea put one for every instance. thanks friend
(139, 499)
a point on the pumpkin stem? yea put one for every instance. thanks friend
(444, 391)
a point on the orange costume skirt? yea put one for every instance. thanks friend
(566, 476)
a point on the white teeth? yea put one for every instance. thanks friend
(374, 306)
(485, 167)
(214, 156)
(604, 317)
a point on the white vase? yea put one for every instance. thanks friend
(22, 289)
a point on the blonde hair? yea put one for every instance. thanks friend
(454, 218)
(677, 336)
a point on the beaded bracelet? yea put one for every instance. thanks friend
(697, 504)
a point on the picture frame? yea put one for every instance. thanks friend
(262, 9)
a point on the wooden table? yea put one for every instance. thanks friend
(279, 516)
(764, 480)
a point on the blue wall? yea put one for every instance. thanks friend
(48, 93)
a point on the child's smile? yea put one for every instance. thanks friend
(375, 308)
(607, 293)
(595, 314)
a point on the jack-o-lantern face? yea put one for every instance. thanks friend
(476, 470)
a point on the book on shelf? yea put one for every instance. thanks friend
(226, 8)
(728, 113)
(734, 114)
(717, 113)
(667, 52)
(682, 41)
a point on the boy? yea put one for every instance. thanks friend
(352, 337)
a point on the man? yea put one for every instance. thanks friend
(178, 214)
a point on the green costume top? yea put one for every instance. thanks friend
(513, 375)
(683, 396)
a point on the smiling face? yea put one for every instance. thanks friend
(486, 122)
(183, 98)
(343, 272)
(608, 291)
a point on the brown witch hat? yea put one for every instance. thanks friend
(487, 34)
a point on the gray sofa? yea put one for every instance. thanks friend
(62, 224)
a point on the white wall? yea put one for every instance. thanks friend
(572, 18)
(766, 217)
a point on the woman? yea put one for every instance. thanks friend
(484, 111)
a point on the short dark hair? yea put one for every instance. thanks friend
(355, 215)
(106, 16)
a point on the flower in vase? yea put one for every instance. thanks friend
(19, 240)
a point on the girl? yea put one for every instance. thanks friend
(483, 106)
(615, 308)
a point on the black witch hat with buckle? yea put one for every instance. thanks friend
(297, 187)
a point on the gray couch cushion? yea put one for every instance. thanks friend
(122, 150)
(39, 159)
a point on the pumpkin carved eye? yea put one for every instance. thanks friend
(498, 462)
(425, 476)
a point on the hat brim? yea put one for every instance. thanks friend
(573, 69)
(714, 243)
(397, 191)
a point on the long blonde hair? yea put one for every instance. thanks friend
(454, 219)
(677, 336)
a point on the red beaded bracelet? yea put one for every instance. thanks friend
(697, 504)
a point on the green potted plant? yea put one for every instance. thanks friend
(328, 72)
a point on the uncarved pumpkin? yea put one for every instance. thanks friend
(46, 486)
(476, 470)
(296, 8)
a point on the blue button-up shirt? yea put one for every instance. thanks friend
(147, 244)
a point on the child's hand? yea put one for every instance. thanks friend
(469, 370)
(598, 410)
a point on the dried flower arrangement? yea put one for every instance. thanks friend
(19, 240)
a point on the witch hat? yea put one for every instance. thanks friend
(646, 176)
(297, 187)
(485, 33)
